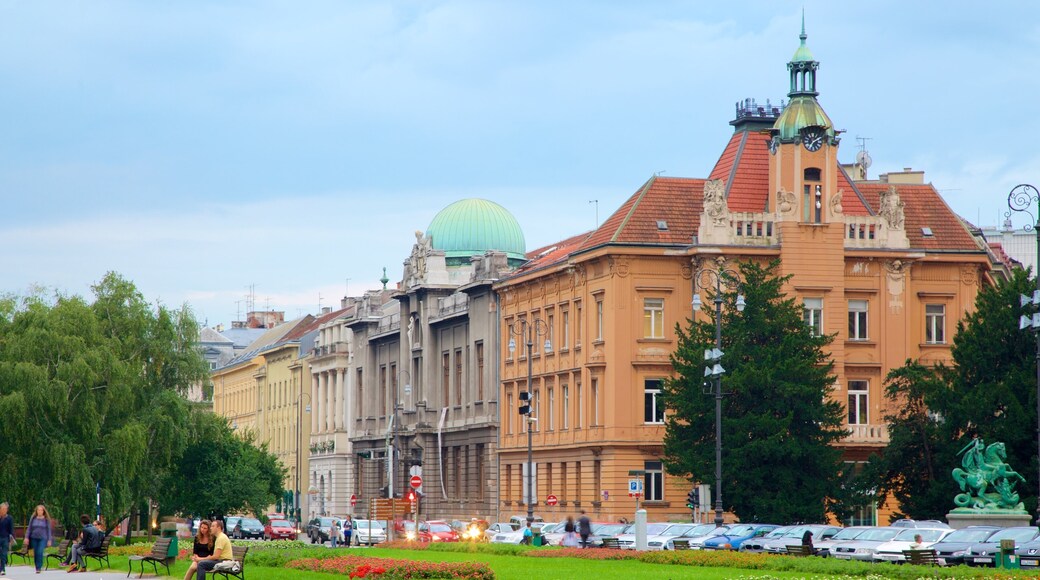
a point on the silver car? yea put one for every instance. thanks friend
(627, 541)
(658, 542)
(368, 532)
(758, 544)
(984, 553)
(697, 536)
(823, 547)
(865, 545)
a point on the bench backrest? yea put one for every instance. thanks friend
(611, 543)
(921, 556)
(63, 548)
(681, 544)
(103, 550)
(161, 547)
(238, 553)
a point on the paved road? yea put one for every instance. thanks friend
(26, 572)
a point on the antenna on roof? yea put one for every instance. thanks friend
(319, 302)
(658, 174)
(596, 201)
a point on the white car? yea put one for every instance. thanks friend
(628, 541)
(517, 536)
(499, 528)
(658, 542)
(892, 550)
(697, 536)
(368, 532)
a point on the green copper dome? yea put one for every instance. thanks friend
(801, 112)
(470, 227)
(803, 54)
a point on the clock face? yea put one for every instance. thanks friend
(813, 138)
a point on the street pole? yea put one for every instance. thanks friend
(530, 446)
(1021, 199)
(718, 405)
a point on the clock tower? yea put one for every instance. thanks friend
(803, 148)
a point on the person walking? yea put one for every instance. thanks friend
(348, 531)
(570, 535)
(38, 534)
(6, 536)
(584, 529)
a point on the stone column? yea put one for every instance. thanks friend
(340, 400)
(330, 402)
(315, 402)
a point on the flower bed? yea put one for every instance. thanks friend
(391, 569)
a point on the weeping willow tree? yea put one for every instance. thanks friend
(92, 393)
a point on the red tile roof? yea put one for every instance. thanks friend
(551, 254)
(675, 201)
(998, 250)
(924, 208)
(304, 328)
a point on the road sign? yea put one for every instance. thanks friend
(353, 500)
(416, 481)
(551, 500)
(635, 487)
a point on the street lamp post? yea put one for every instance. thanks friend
(528, 332)
(1025, 199)
(395, 451)
(707, 279)
(299, 449)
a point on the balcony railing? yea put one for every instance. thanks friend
(868, 434)
(387, 324)
(752, 228)
(454, 304)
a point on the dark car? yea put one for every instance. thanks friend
(952, 548)
(318, 529)
(248, 528)
(279, 530)
(984, 554)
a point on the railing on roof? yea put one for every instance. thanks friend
(749, 108)
(453, 304)
(388, 323)
(751, 228)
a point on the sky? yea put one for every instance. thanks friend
(206, 150)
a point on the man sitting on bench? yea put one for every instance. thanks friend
(89, 540)
(221, 551)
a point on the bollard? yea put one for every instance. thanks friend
(641, 529)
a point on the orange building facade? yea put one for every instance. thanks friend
(885, 266)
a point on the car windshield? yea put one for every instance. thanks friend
(551, 528)
(926, 535)
(968, 535)
(505, 526)
(1017, 534)
(795, 532)
(880, 535)
(608, 529)
(702, 530)
(326, 522)
(743, 530)
(654, 529)
(777, 533)
(440, 528)
(280, 524)
(678, 530)
(364, 524)
(250, 522)
(849, 533)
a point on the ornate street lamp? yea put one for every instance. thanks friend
(1025, 199)
(299, 449)
(708, 279)
(528, 332)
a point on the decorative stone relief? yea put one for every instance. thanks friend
(896, 271)
(715, 201)
(892, 208)
(969, 275)
(619, 266)
(836, 208)
(785, 202)
(686, 271)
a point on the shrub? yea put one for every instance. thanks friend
(585, 554)
(392, 569)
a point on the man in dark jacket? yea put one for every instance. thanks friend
(6, 534)
(89, 541)
(584, 529)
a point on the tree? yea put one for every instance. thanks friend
(988, 392)
(92, 392)
(222, 473)
(779, 422)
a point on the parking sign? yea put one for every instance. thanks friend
(635, 487)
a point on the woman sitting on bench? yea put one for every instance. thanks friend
(203, 547)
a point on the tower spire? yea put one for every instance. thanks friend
(803, 36)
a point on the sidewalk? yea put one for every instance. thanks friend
(27, 572)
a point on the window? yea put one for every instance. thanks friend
(212, 366)
(480, 371)
(563, 480)
(653, 406)
(566, 407)
(858, 320)
(360, 393)
(552, 409)
(551, 329)
(595, 402)
(865, 515)
(565, 338)
(653, 484)
(536, 399)
(509, 481)
(394, 393)
(577, 481)
(445, 377)
(858, 399)
(577, 327)
(599, 320)
(458, 376)
(935, 323)
(653, 318)
(812, 313)
(481, 475)
(577, 402)
(510, 413)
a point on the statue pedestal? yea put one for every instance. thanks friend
(1003, 520)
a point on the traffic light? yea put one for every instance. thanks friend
(525, 403)
(410, 496)
(693, 500)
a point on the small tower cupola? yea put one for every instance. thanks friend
(803, 69)
(804, 120)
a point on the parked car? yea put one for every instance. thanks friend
(930, 524)
(823, 547)
(279, 530)
(733, 537)
(367, 532)
(436, 531)
(318, 529)
(229, 524)
(984, 554)
(892, 550)
(758, 544)
(627, 540)
(794, 536)
(517, 536)
(1029, 554)
(606, 530)
(696, 537)
(248, 528)
(552, 534)
(952, 548)
(498, 528)
(658, 541)
(864, 546)
(521, 521)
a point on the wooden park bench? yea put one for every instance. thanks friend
(921, 557)
(681, 544)
(238, 554)
(60, 555)
(158, 555)
(101, 554)
(611, 543)
(22, 552)
(799, 551)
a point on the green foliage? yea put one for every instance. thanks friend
(221, 472)
(779, 423)
(91, 392)
(989, 392)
